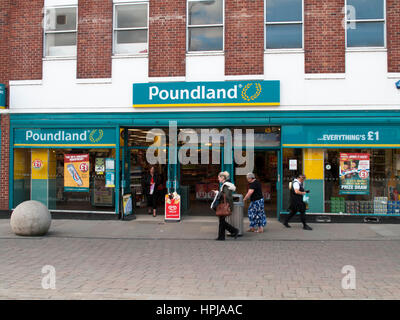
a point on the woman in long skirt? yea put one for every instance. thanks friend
(256, 211)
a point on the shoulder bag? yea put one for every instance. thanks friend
(223, 208)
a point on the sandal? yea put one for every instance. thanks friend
(251, 230)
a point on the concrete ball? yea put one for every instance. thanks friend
(30, 218)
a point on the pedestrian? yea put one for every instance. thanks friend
(226, 190)
(151, 183)
(256, 211)
(296, 201)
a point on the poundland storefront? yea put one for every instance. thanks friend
(67, 169)
(85, 163)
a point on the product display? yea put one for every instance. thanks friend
(380, 205)
(393, 207)
(338, 205)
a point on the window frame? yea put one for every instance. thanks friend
(204, 26)
(45, 31)
(301, 49)
(116, 29)
(367, 48)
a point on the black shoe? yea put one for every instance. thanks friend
(236, 234)
(286, 225)
(219, 239)
(307, 227)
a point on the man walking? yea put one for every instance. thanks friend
(296, 202)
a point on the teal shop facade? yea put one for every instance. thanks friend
(309, 142)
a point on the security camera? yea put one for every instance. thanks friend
(398, 84)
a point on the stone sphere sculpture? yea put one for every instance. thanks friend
(30, 218)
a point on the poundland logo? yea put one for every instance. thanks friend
(65, 136)
(199, 93)
(94, 136)
(59, 136)
(186, 94)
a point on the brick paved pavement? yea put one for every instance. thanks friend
(89, 267)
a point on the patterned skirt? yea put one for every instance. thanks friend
(257, 214)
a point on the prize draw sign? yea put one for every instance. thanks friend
(76, 172)
(354, 173)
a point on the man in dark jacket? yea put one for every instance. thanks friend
(296, 202)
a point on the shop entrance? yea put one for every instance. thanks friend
(137, 163)
(138, 169)
(197, 182)
(266, 171)
(196, 178)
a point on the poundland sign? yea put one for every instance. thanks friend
(2, 96)
(78, 137)
(199, 94)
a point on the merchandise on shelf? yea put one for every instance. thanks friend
(337, 205)
(380, 205)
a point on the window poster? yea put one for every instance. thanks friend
(110, 173)
(76, 172)
(100, 166)
(354, 173)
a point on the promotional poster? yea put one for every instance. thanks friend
(76, 173)
(354, 173)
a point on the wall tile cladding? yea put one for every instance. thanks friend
(21, 34)
(94, 43)
(167, 38)
(324, 36)
(25, 41)
(4, 40)
(5, 160)
(244, 37)
(393, 34)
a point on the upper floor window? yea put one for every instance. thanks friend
(284, 24)
(365, 23)
(205, 25)
(131, 28)
(60, 30)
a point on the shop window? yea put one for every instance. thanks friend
(362, 181)
(131, 28)
(145, 137)
(284, 24)
(346, 181)
(292, 162)
(66, 179)
(60, 30)
(205, 25)
(365, 23)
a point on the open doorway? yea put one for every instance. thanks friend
(199, 181)
(266, 171)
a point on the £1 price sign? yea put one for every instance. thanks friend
(37, 164)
